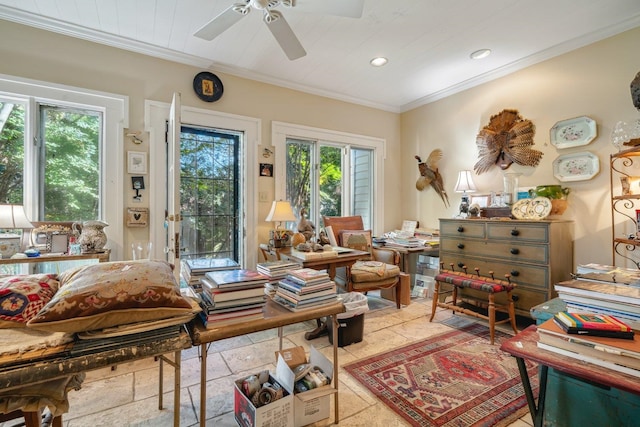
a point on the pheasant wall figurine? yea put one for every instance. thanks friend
(506, 140)
(429, 175)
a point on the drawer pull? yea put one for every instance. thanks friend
(515, 232)
(514, 251)
(515, 273)
(461, 264)
(515, 298)
(460, 229)
(460, 246)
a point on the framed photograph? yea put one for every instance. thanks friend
(57, 242)
(266, 169)
(136, 162)
(482, 200)
(634, 185)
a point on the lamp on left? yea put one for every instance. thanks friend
(464, 185)
(280, 212)
(12, 217)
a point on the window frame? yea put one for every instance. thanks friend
(280, 131)
(115, 110)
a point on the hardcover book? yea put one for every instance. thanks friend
(622, 352)
(231, 277)
(593, 324)
(210, 264)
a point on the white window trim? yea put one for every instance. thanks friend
(116, 118)
(280, 131)
(155, 115)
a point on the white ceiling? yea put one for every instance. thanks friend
(427, 42)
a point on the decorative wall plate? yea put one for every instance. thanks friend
(573, 132)
(576, 166)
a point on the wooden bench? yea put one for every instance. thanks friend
(490, 285)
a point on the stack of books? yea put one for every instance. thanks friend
(193, 270)
(618, 354)
(230, 296)
(593, 296)
(305, 288)
(275, 271)
(402, 239)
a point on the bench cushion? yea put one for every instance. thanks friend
(480, 283)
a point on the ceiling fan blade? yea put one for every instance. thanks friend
(284, 35)
(222, 22)
(346, 8)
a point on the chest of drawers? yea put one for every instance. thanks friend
(537, 254)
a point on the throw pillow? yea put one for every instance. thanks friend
(111, 294)
(22, 297)
(357, 239)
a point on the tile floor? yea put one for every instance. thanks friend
(128, 395)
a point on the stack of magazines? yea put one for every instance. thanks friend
(231, 296)
(304, 288)
(578, 336)
(275, 271)
(193, 270)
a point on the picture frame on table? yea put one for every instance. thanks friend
(136, 162)
(482, 200)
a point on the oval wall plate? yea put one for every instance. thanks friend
(573, 132)
(576, 166)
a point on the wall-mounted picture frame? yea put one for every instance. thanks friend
(137, 217)
(136, 162)
(266, 169)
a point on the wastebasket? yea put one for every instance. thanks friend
(351, 322)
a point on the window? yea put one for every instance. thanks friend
(209, 192)
(57, 143)
(329, 173)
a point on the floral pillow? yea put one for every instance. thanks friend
(22, 297)
(111, 294)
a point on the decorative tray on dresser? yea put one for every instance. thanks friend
(536, 253)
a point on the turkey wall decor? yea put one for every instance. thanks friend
(429, 175)
(506, 140)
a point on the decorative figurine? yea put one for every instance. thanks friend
(305, 226)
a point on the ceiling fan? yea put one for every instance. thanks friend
(275, 21)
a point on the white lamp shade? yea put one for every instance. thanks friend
(281, 211)
(465, 183)
(13, 216)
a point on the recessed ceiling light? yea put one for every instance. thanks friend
(479, 54)
(379, 61)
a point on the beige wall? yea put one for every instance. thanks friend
(592, 81)
(41, 55)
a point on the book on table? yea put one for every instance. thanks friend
(593, 324)
(203, 265)
(599, 291)
(209, 306)
(307, 296)
(308, 276)
(235, 313)
(621, 352)
(218, 296)
(226, 278)
(292, 286)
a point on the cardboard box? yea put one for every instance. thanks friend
(405, 288)
(276, 414)
(313, 405)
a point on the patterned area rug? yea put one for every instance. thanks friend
(452, 379)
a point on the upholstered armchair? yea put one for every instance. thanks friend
(379, 272)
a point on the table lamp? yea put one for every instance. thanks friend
(280, 212)
(465, 184)
(12, 217)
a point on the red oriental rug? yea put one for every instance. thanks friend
(452, 379)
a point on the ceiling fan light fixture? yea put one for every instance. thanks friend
(480, 54)
(379, 61)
